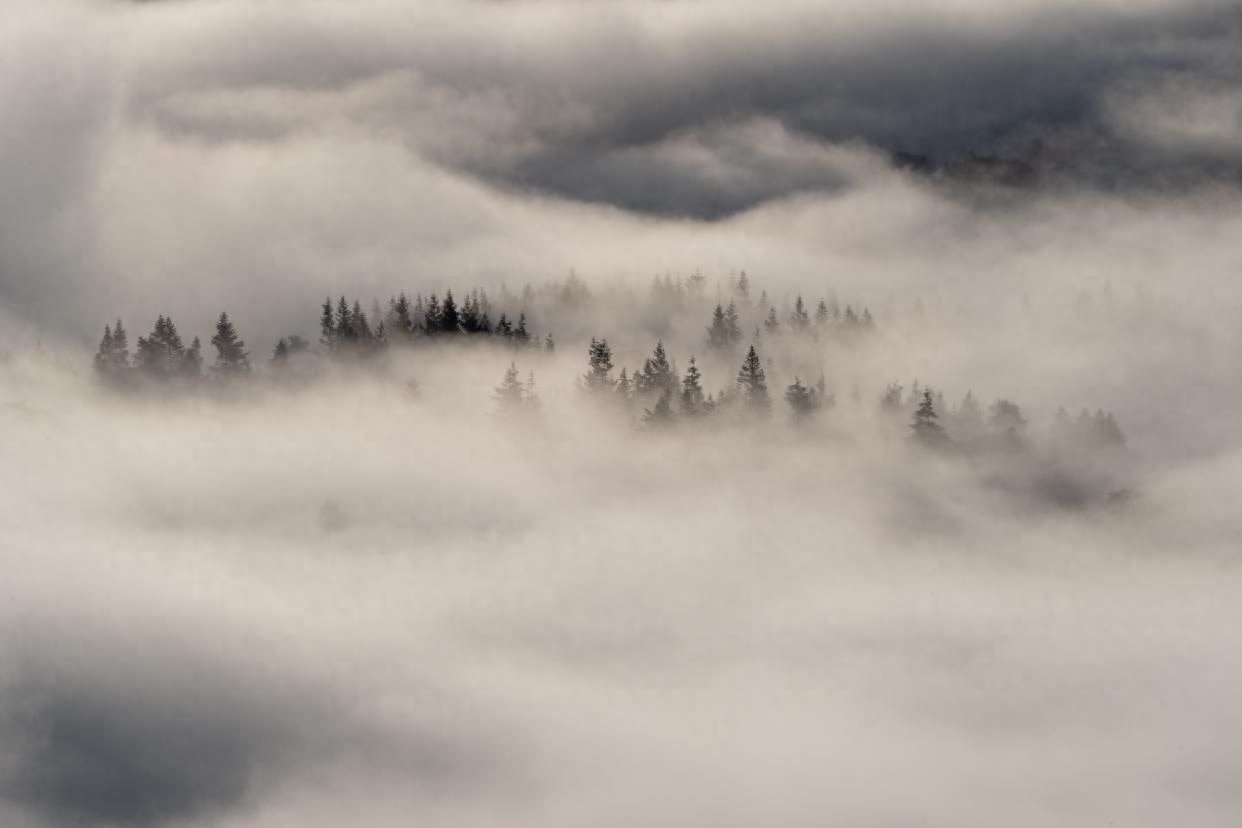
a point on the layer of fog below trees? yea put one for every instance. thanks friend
(361, 599)
(368, 599)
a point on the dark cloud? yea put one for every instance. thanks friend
(134, 733)
(587, 105)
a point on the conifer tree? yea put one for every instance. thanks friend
(470, 313)
(692, 402)
(504, 327)
(328, 334)
(103, 357)
(402, 323)
(231, 356)
(450, 321)
(530, 396)
(752, 383)
(742, 288)
(510, 393)
(821, 315)
(802, 400)
(657, 374)
(521, 336)
(192, 360)
(718, 332)
(548, 344)
(772, 324)
(660, 416)
(799, 320)
(927, 431)
(625, 386)
(360, 326)
(733, 324)
(431, 316)
(599, 375)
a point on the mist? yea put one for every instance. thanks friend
(379, 579)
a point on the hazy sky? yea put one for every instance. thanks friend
(373, 603)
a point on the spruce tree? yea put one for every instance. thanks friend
(531, 403)
(657, 374)
(660, 416)
(927, 431)
(772, 324)
(521, 336)
(733, 324)
(799, 320)
(625, 386)
(752, 384)
(692, 402)
(803, 401)
(548, 344)
(431, 316)
(718, 337)
(327, 326)
(821, 315)
(103, 357)
(192, 360)
(510, 393)
(231, 356)
(450, 321)
(599, 357)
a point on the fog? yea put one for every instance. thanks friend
(360, 591)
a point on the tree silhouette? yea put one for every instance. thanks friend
(599, 375)
(231, 356)
(927, 431)
(752, 384)
(692, 402)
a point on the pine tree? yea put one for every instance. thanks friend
(504, 327)
(821, 315)
(657, 374)
(772, 324)
(625, 386)
(661, 416)
(510, 393)
(530, 396)
(231, 356)
(598, 377)
(521, 336)
(799, 320)
(742, 288)
(402, 323)
(192, 360)
(160, 353)
(733, 324)
(119, 355)
(752, 383)
(692, 402)
(431, 316)
(470, 313)
(328, 334)
(802, 400)
(360, 325)
(103, 358)
(548, 345)
(718, 337)
(450, 321)
(927, 432)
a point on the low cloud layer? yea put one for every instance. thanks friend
(373, 601)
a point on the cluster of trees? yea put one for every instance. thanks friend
(347, 329)
(162, 355)
(673, 397)
(965, 426)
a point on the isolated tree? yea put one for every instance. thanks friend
(531, 403)
(231, 356)
(927, 431)
(752, 384)
(692, 402)
(803, 401)
(599, 374)
(510, 393)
